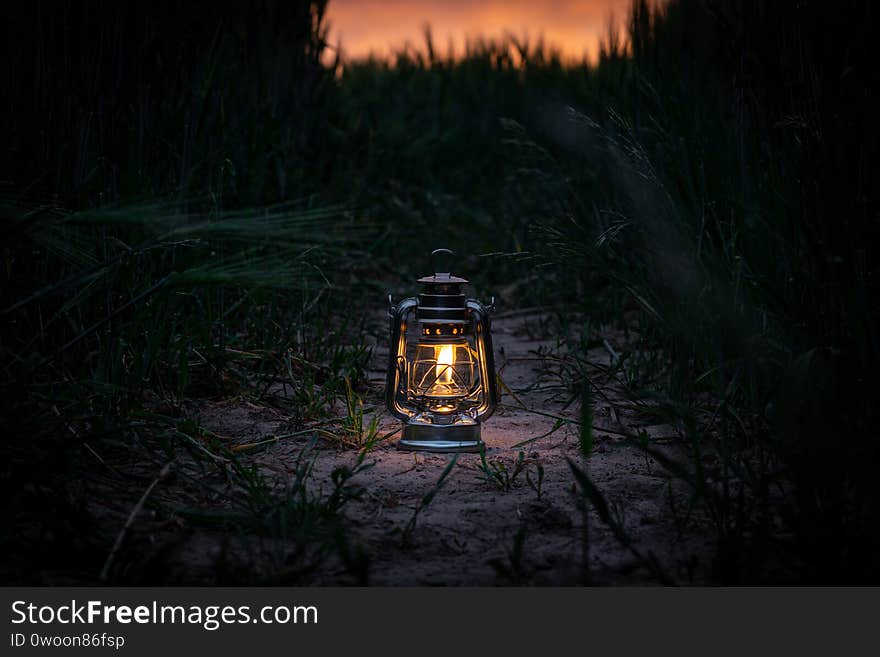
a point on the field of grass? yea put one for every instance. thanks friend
(195, 207)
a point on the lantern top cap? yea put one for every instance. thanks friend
(440, 261)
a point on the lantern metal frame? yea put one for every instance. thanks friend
(445, 316)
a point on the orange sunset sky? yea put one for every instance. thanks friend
(381, 26)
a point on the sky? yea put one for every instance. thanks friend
(382, 26)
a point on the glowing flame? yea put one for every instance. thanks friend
(444, 363)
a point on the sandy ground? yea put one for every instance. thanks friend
(468, 534)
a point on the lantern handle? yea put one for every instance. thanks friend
(443, 256)
(486, 356)
(397, 349)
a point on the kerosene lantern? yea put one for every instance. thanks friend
(441, 370)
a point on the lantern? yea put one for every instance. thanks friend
(441, 370)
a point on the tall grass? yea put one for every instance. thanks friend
(105, 101)
(736, 212)
(161, 245)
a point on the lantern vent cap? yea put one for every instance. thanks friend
(440, 263)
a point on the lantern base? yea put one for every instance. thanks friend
(440, 438)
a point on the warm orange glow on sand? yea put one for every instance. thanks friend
(383, 26)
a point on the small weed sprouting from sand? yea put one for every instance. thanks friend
(536, 483)
(495, 471)
(355, 431)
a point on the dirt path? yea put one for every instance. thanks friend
(477, 532)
